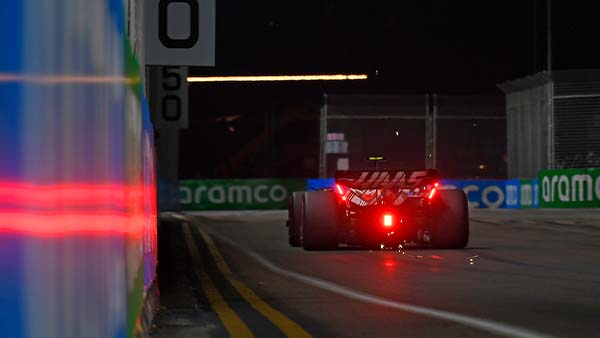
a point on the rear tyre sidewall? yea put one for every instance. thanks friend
(319, 221)
(295, 217)
(450, 220)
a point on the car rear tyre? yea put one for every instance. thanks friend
(319, 220)
(294, 218)
(450, 228)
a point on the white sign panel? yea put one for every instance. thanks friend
(343, 164)
(179, 32)
(169, 96)
(336, 147)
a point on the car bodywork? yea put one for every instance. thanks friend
(382, 208)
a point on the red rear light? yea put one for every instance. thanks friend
(433, 190)
(388, 220)
(341, 191)
(432, 193)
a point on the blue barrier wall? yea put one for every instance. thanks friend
(493, 194)
(77, 173)
(319, 183)
(486, 193)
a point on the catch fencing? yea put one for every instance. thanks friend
(553, 121)
(414, 131)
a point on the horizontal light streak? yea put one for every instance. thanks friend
(76, 208)
(50, 195)
(71, 223)
(66, 79)
(276, 78)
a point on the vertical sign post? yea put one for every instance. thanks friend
(177, 34)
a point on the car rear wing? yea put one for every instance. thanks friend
(400, 179)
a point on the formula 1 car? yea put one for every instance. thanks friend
(375, 209)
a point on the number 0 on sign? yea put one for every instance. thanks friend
(179, 32)
(178, 17)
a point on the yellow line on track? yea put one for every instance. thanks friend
(232, 322)
(289, 327)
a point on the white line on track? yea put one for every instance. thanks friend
(490, 326)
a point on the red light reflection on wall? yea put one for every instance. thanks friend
(48, 196)
(55, 210)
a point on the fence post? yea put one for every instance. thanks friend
(323, 141)
(434, 138)
(427, 133)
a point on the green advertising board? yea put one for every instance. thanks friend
(569, 188)
(238, 194)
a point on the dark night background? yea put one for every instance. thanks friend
(406, 47)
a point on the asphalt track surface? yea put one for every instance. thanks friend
(525, 273)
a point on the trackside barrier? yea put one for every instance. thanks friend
(529, 193)
(570, 188)
(319, 183)
(237, 194)
(256, 194)
(168, 195)
(494, 194)
(77, 172)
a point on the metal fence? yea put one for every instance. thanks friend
(460, 135)
(553, 122)
(576, 119)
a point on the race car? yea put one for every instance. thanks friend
(378, 209)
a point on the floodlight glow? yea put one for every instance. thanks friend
(276, 78)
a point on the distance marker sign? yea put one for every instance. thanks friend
(169, 96)
(179, 32)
